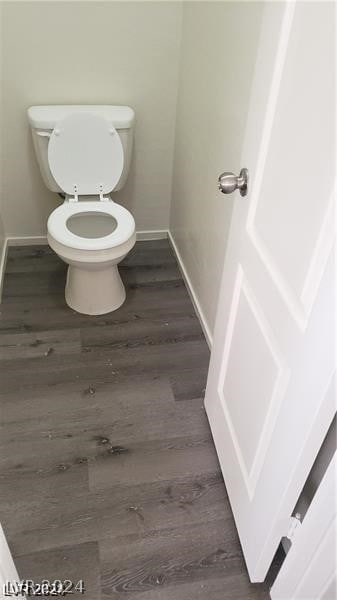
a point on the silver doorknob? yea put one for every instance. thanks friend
(228, 182)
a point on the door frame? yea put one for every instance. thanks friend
(311, 560)
(8, 570)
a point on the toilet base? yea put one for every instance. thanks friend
(94, 292)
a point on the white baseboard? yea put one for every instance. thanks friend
(191, 291)
(30, 240)
(3, 261)
(160, 234)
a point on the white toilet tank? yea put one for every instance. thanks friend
(43, 119)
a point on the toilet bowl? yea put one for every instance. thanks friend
(89, 231)
(92, 238)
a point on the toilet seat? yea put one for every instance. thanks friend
(57, 225)
(85, 155)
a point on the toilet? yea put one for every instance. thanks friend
(84, 153)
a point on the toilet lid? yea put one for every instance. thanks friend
(85, 151)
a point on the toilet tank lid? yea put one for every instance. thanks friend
(46, 117)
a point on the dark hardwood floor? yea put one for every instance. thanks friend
(108, 470)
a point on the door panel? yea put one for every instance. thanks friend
(253, 369)
(293, 134)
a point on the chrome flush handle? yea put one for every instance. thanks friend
(228, 182)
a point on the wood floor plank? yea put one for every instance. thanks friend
(190, 383)
(153, 461)
(147, 274)
(142, 332)
(35, 284)
(30, 345)
(30, 259)
(76, 406)
(150, 252)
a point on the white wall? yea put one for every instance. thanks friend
(96, 53)
(219, 45)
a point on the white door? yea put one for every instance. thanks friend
(8, 572)
(269, 396)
